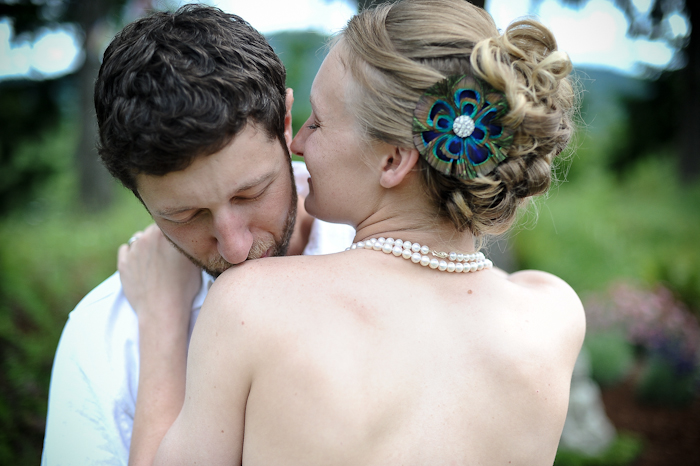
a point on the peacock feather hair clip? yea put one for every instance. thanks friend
(457, 129)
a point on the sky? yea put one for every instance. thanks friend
(592, 36)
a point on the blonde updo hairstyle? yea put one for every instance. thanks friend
(395, 52)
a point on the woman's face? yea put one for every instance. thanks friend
(335, 152)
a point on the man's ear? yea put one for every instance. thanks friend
(396, 165)
(288, 101)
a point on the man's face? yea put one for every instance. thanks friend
(236, 204)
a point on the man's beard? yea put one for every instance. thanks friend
(217, 266)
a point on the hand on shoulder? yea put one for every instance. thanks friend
(159, 282)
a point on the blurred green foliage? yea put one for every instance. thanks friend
(302, 54)
(612, 357)
(597, 227)
(623, 451)
(50, 256)
(665, 336)
(28, 110)
(660, 385)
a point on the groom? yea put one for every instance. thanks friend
(195, 120)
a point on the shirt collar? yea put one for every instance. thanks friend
(207, 282)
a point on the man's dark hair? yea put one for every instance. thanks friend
(176, 86)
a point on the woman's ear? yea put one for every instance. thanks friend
(396, 165)
(288, 101)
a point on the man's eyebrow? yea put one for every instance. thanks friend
(250, 185)
(254, 183)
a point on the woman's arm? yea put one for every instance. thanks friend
(160, 284)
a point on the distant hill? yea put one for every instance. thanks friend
(602, 91)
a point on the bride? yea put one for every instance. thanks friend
(428, 131)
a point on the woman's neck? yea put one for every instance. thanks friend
(438, 234)
(405, 212)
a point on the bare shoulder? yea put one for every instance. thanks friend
(258, 310)
(547, 285)
(245, 311)
(263, 288)
(274, 275)
(557, 301)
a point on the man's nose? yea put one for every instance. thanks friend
(233, 236)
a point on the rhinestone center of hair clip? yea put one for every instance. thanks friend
(463, 126)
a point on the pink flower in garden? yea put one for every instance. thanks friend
(652, 319)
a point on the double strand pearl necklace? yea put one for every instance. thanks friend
(418, 254)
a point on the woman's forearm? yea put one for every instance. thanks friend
(161, 389)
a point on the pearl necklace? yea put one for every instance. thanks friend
(418, 254)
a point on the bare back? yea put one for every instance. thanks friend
(364, 359)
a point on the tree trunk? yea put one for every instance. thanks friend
(95, 183)
(690, 124)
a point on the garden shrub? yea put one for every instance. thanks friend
(612, 357)
(665, 333)
(623, 451)
(661, 384)
(49, 260)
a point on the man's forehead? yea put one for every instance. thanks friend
(180, 202)
(249, 160)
